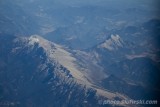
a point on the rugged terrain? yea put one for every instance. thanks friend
(36, 72)
(71, 53)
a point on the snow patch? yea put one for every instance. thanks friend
(33, 40)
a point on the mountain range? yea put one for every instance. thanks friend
(72, 53)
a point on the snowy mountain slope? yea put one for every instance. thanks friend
(32, 70)
(67, 60)
(113, 43)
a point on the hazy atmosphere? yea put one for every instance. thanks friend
(79, 53)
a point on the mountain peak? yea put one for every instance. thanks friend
(113, 43)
